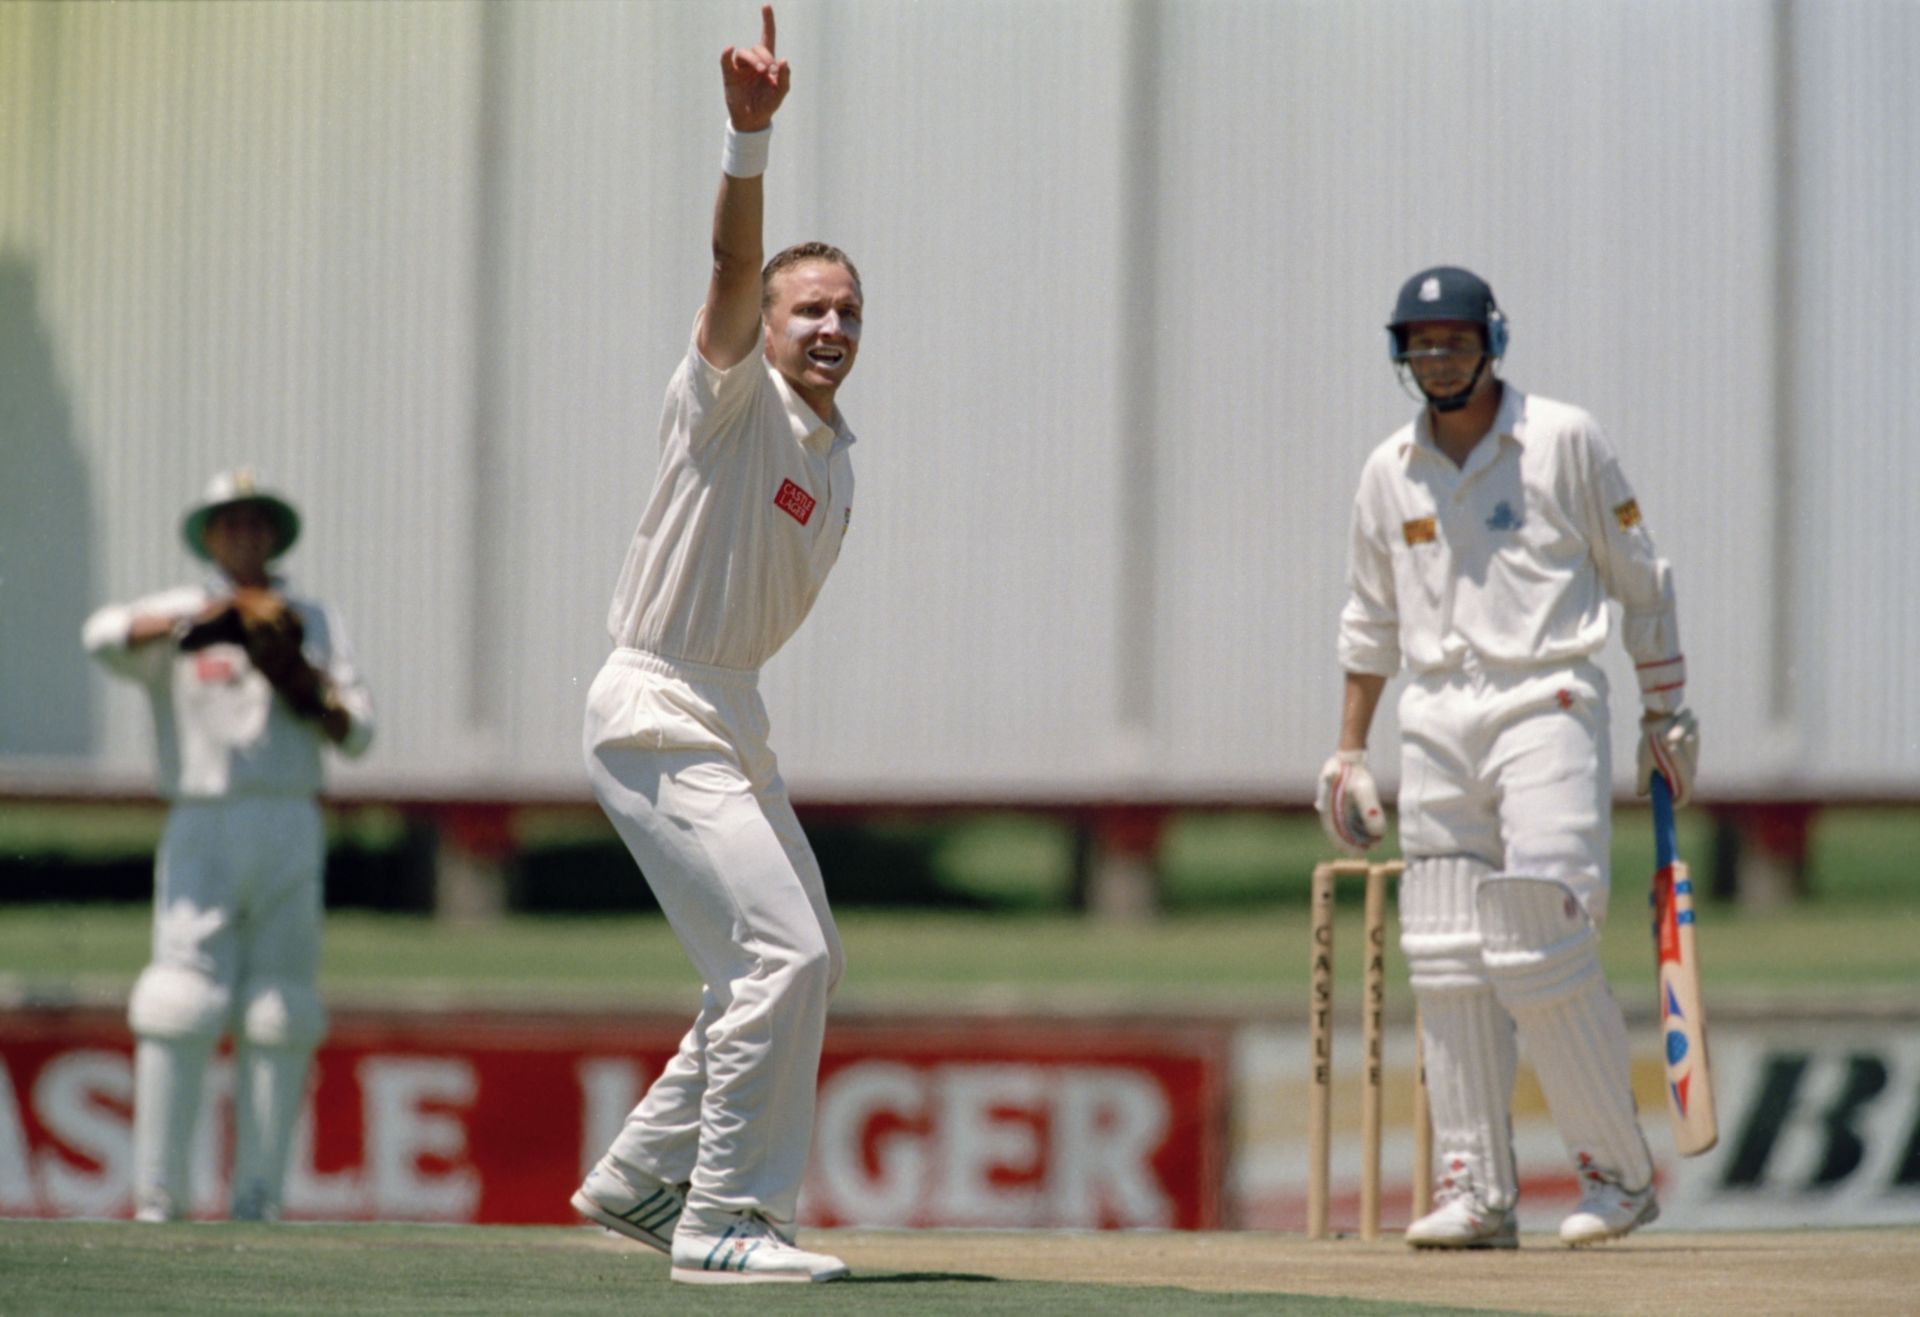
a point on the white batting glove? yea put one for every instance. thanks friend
(1670, 746)
(1349, 803)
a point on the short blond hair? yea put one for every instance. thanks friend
(799, 254)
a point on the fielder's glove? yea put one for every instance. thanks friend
(1670, 746)
(216, 624)
(1349, 803)
(269, 629)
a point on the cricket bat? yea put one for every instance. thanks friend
(1683, 1020)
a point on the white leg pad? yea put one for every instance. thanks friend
(1542, 954)
(173, 1001)
(1467, 1037)
(283, 1014)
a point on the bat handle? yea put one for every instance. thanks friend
(1665, 844)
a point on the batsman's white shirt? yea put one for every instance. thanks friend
(753, 497)
(1505, 563)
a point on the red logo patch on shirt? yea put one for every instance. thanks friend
(212, 669)
(794, 501)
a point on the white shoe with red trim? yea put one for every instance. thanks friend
(1461, 1220)
(1607, 1211)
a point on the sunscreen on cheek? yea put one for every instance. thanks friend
(799, 327)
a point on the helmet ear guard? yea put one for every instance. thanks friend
(1496, 331)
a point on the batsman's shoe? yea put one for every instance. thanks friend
(647, 1212)
(1607, 1211)
(1463, 1221)
(747, 1250)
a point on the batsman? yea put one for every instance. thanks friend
(1488, 535)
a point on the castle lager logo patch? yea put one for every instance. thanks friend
(1628, 514)
(1421, 530)
(794, 501)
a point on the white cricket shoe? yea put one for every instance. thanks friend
(1462, 1220)
(646, 1212)
(747, 1250)
(156, 1207)
(1607, 1211)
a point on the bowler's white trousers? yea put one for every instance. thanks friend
(677, 753)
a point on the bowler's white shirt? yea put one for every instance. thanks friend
(752, 500)
(218, 729)
(1508, 561)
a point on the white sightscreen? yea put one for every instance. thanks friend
(429, 267)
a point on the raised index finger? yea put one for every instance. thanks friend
(766, 27)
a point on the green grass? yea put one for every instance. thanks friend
(78, 1268)
(1235, 936)
(1254, 960)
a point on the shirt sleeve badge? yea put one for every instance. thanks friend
(1628, 514)
(1421, 530)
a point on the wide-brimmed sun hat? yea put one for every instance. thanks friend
(230, 489)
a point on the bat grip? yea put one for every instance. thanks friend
(1666, 847)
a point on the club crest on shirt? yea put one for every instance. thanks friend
(1421, 530)
(794, 501)
(1628, 514)
(1504, 517)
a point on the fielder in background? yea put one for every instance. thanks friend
(248, 684)
(1487, 537)
(752, 499)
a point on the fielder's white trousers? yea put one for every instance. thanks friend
(236, 948)
(678, 757)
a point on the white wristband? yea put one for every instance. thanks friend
(746, 153)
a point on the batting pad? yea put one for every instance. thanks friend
(1542, 954)
(1467, 1036)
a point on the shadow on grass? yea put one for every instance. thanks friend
(919, 1278)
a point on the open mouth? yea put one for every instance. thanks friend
(830, 357)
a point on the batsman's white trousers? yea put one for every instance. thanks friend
(1505, 776)
(678, 756)
(1513, 769)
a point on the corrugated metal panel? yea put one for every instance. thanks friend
(1126, 266)
(259, 250)
(1500, 137)
(1856, 462)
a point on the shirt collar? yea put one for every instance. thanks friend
(1510, 422)
(823, 438)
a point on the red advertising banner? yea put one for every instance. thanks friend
(1088, 1123)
